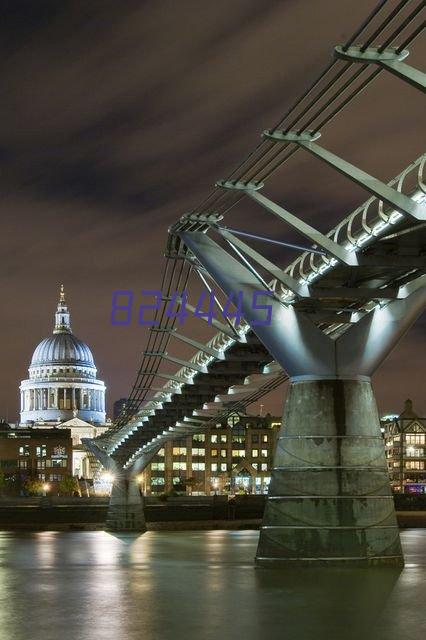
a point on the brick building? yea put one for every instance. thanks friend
(40, 454)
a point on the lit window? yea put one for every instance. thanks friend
(264, 466)
(223, 453)
(223, 437)
(264, 453)
(213, 466)
(198, 466)
(157, 466)
(213, 438)
(155, 481)
(179, 466)
(223, 466)
(22, 464)
(160, 453)
(41, 464)
(238, 453)
(255, 453)
(199, 437)
(41, 451)
(213, 453)
(24, 450)
(198, 452)
(265, 437)
(179, 451)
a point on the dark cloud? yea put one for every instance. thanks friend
(117, 117)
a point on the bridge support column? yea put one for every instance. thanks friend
(329, 499)
(125, 511)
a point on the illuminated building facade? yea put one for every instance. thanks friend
(62, 390)
(40, 454)
(234, 456)
(62, 379)
(405, 442)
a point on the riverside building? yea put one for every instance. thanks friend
(233, 456)
(405, 442)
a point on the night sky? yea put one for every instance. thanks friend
(116, 118)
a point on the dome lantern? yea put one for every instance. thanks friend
(62, 315)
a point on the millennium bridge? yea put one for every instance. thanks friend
(336, 311)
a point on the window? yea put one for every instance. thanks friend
(213, 453)
(223, 438)
(415, 464)
(41, 451)
(223, 466)
(179, 451)
(255, 438)
(179, 466)
(223, 453)
(157, 466)
(238, 438)
(418, 438)
(160, 453)
(255, 453)
(414, 452)
(155, 481)
(213, 438)
(264, 453)
(265, 437)
(199, 437)
(213, 466)
(22, 464)
(56, 477)
(255, 465)
(24, 450)
(198, 452)
(41, 476)
(238, 453)
(41, 464)
(198, 466)
(264, 466)
(56, 463)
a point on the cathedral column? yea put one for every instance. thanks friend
(73, 404)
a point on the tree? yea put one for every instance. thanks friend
(69, 485)
(33, 487)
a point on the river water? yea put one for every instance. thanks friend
(185, 585)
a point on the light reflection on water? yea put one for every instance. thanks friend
(166, 585)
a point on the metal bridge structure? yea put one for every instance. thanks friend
(337, 310)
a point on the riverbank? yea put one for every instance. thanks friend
(176, 514)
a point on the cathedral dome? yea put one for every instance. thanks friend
(62, 348)
(62, 379)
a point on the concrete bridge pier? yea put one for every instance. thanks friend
(329, 499)
(126, 508)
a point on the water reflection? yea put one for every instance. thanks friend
(167, 585)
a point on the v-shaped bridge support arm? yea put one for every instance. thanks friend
(300, 347)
